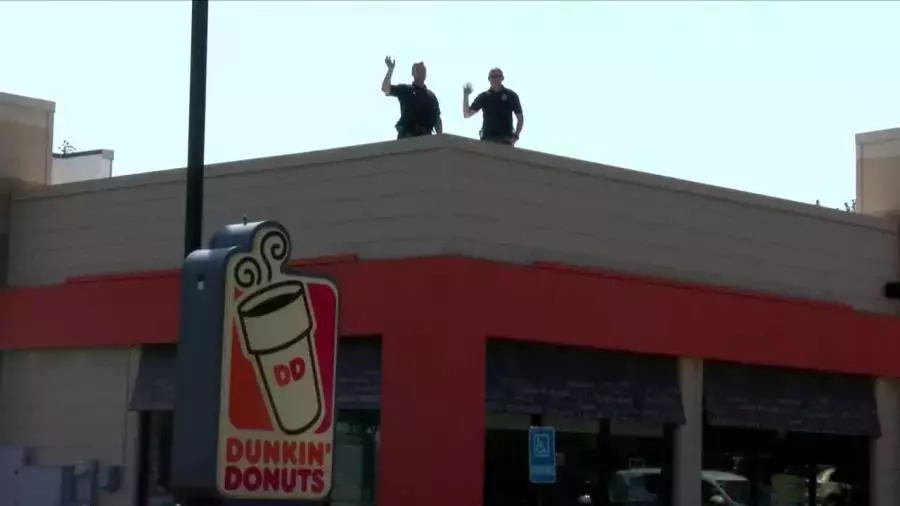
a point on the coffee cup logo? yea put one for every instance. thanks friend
(276, 326)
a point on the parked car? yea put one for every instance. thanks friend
(721, 488)
(639, 487)
(832, 484)
(831, 489)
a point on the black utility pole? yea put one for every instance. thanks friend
(193, 216)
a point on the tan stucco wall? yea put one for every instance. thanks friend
(26, 138)
(71, 405)
(878, 173)
(449, 195)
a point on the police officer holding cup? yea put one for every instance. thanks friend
(420, 112)
(498, 105)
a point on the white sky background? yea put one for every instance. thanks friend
(759, 96)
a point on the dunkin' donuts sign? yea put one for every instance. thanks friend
(276, 419)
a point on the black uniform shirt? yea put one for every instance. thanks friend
(498, 108)
(419, 108)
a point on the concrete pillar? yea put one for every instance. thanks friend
(26, 139)
(878, 173)
(878, 194)
(689, 437)
(5, 201)
(130, 440)
(26, 155)
(885, 451)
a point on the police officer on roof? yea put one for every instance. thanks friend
(498, 104)
(420, 113)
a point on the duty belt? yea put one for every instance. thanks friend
(413, 130)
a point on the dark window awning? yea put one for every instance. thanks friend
(358, 376)
(772, 398)
(154, 387)
(582, 383)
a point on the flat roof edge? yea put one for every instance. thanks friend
(294, 160)
(23, 101)
(467, 145)
(632, 176)
(876, 136)
(104, 153)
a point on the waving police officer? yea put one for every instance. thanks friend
(498, 104)
(420, 113)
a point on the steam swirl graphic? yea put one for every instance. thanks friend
(255, 270)
(273, 249)
(248, 272)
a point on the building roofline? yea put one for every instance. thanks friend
(107, 154)
(466, 145)
(876, 136)
(23, 101)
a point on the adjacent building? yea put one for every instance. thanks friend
(685, 341)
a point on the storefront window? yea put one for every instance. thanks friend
(614, 415)
(772, 468)
(598, 462)
(155, 454)
(356, 458)
(785, 437)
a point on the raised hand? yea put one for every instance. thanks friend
(467, 89)
(389, 62)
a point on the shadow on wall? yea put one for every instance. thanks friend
(52, 485)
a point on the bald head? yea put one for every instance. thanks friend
(418, 73)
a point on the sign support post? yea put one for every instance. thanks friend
(193, 216)
(194, 174)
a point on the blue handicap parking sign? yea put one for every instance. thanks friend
(542, 455)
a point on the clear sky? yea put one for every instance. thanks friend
(759, 96)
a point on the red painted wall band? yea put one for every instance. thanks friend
(547, 303)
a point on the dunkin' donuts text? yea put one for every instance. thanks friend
(258, 465)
